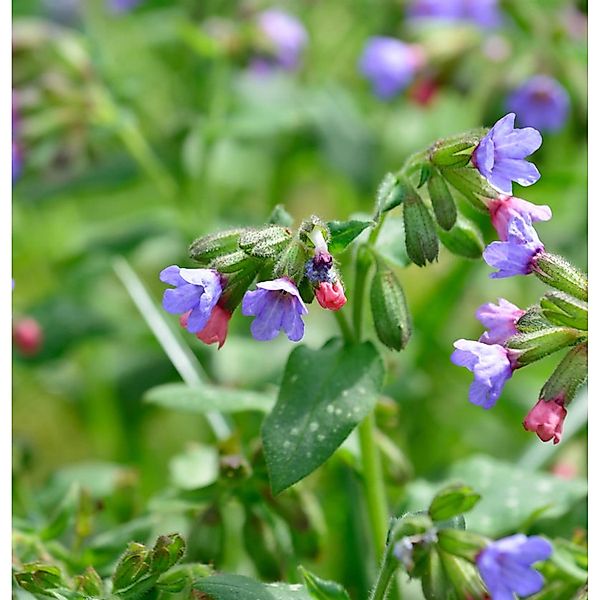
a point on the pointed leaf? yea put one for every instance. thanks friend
(324, 394)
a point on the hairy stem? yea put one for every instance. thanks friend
(384, 578)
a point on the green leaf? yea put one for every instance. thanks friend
(344, 232)
(207, 398)
(321, 589)
(238, 587)
(510, 495)
(197, 467)
(452, 501)
(324, 394)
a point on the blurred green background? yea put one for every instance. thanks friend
(143, 130)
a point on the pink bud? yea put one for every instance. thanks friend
(546, 419)
(331, 295)
(504, 208)
(28, 336)
(215, 331)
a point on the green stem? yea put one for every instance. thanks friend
(373, 481)
(384, 578)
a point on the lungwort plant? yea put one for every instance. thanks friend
(273, 274)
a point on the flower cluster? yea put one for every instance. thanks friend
(206, 298)
(515, 337)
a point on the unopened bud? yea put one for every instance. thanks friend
(421, 238)
(168, 551)
(208, 247)
(28, 336)
(266, 242)
(562, 309)
(442, 201)
(331, 295)
(538, 344)
(134, 564)
(557, 272)
(388, 306)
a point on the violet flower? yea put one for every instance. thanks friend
(276, 306)
(506, 566)
(196, 292)
(504, 208)
(500, 321)
(287, 38)
(516, 255)
(500, 155)
(123, 6)
(484, 13)
(541, 102)
(491, 364)
(389, 64)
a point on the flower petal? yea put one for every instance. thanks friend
(171, 276)
(181, 299)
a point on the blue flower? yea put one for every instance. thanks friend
(287, 37)
(500, 321)
(492, 366)
(505, 566)
(541, 102)
(389, 64)
(516, 255)
(121, 6)
(196, 291)
(484, 13)
(276, 306)
(500, 155)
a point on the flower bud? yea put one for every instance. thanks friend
(557, 272)
(456, 151)
(546, 419)
(168, 551)
(215, 330)
(388, 306)
(442, 201)
(291, 262)
(421, 238)
(208, 247)
(562, 309)
(331, 295)
(538, 344)
(28, 336)
(38, 578)
(133, 565)
(89, 583)
(464, 239)
(464, 544)
(266, 242)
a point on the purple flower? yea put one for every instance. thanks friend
(484, 13)
(504, 208)
(491, 364)
(196, 291)
(500, 155)
(389, 64)
(122, 6)
(505, 566)
(277, 306)
(541, 102)
(16, 161)
(500, 321)
(516, 255)
(286, 36)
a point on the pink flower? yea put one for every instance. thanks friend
(546, 419)
(504, 208)
(331, 295)
(28, 336)
(215, 330)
